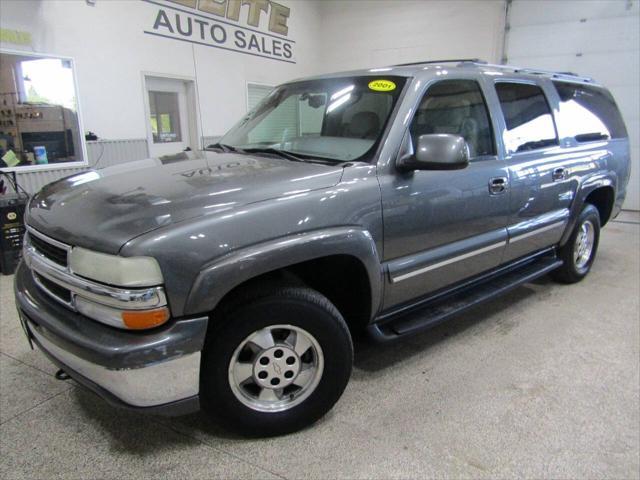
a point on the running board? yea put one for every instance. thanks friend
(444, 307)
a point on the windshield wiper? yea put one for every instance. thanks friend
(276, 151)
(221, 146)
(290, 156)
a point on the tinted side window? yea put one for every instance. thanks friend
(528, 117)
(457, 107)
(589, 113)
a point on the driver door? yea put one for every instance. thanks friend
(441, 227)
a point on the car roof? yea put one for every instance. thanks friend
(431, 68)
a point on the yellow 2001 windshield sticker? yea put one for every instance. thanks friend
(382, 85)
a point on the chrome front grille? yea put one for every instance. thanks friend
(58, 292)
(50, 251)
(53, 250)
(53, 253)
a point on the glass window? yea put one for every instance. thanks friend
(165, 117)
(49, 81)
(39, 118)
(589, 113)
(311, 118)
(308, 118)
(280, 124)
(528, 117)
(256, 93)
(339, 119)
(457, 107)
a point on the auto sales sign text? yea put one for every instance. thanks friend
(251, 27)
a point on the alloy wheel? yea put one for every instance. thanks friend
(583, 247)
(276, 368)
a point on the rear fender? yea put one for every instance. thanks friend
(588, 185)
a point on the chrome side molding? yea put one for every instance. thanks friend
(446, 262)
(537, 231)
(473, 253)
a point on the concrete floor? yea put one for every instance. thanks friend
(542, 383)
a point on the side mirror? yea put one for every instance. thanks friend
(437, 151)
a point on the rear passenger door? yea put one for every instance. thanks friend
(541, 191)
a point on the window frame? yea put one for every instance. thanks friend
(81, 131)
(492, 125)
(552, 112)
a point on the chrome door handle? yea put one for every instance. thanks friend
(498, 185)
(559, 173)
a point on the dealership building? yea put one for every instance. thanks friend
(216, 59)
(541, 383)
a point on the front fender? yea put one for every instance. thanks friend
(218, 278)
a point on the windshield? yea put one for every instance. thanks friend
(339, 119)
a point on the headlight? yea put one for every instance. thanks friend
(115, 270)
(127, 272)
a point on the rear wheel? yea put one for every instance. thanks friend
(579, 253)
(278, 362)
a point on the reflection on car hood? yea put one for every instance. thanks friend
(103, 209)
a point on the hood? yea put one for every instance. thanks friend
(104, 209)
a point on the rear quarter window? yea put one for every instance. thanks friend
(588, 113)
(527, 117)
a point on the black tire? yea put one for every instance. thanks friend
(570, 271)
(255, 310)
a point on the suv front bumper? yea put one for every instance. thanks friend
(156, 370)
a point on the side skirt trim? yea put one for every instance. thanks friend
(448, 305)
(468, 283)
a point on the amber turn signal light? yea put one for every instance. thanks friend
(141, 319)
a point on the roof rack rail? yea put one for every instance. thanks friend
(447, 60)
(571, 75)
(533, 71)
(511, 68)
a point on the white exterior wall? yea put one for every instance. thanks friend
(596, 38)
(111, 52)
(362, 33)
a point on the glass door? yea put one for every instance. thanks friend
(167, 116)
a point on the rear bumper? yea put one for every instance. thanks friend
(156, 371)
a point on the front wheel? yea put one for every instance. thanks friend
(579, 253)
(278, 362)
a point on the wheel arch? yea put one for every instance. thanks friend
(599, 191)
(329, 261)
(603, 198)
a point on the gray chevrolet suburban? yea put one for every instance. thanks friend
(381, 201)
